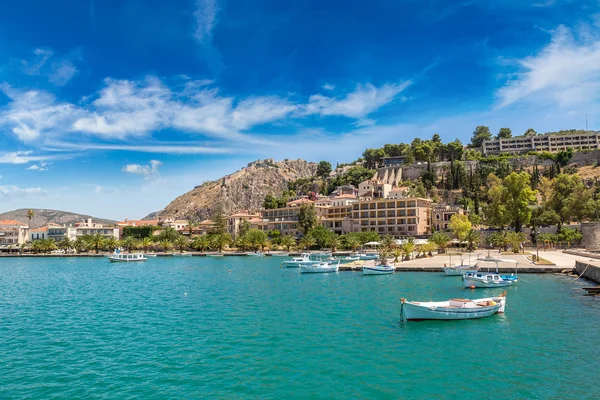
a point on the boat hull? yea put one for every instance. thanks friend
(378, 270)
(280, 254)
(453, 271)
(295, 264)
(318, 269)
(120, 260)
(419, 313)
(469, 282)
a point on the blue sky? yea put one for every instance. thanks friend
(115, 107)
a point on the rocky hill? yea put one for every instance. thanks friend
(43, 216)
(242, 190)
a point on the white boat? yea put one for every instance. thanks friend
(348, 259)
(127, 257)
(512, 277)
(150, 255)
(485, 280)
(182, 254)
(319, 268)
(378, 270)
(303, 260)
(280, 254)
(457, 270)
(453, 308)
(255, 254)
(214, 255)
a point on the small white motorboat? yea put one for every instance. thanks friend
(303, 260)
(182, 254)
(348, 259)
(378, 270)
(452, 309)
(368, 256)
(214, 255)
(474, 280)
(319, 268)
(255, 254)
(118, 257)
(280, 254)
(150, 255)
(457, 270)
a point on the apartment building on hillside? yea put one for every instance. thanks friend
(441, 215)
(13, 233)
(552, 143)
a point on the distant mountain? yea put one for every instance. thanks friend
(43, 216)
(152, 216)
(243, 190)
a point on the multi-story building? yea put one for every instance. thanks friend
(398, 193)
(234, 221)
(345, 189)
(374, 188)
(135, 223)
(393, 161)
(61, 232)
(285, 219)
(408, 216)
(338, 214)
(89, 227)
(549, 142)
(38, 233)
(441, 215)
(13, 232)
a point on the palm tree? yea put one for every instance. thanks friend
(22, 246)
(307, 242)
(10, 247)
(30, 215)
(80, 244)
(46, 245)
(383, 252)
(243, 242)
(201, 243)
(220, 240)
(397, 253)
(165, 244)
(111, 243)
(428, 248)
(441, 240)
(146, 243)
(169, 233)
(129, 243)
(288, 241)
(515, 239)
(388, 241)
(334, 242)
(65, 245)
(352, 242)
(181, 243)
(472, 239)
(95, 241)
(408, 248)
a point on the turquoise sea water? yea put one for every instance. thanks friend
(188, 328)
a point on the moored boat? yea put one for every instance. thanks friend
(119, 257)
(486, 280)
(348, 259)
(280, 254)
(366, 256)
(457, 270)
(378, 270)
(214, 255)
(303, 260)
(255, 254)
(452, 309)
(319, 268)
(182, 254)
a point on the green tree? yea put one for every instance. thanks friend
(145, 243)
(441, 240)
(494, 210)
(530, 132)
(245, 226)
(334, 242)
(288, 242)
(569, 235)
(561, 200)
(270, 202)
(219, 241)
(307, 242)
(518, 198)
(275, 236)
(351, 241)
(129, 243)
(373, 157)
(165, 244)
(65, 245)
(80, 245)
(460, 226)
(408, 247)
(307, 217)
(388, 241)
(515, 239)
(168, 233)
(323, 169)
(181, 243)
(219, 220)
(480, 134)
(257, 238)
(504, 133)
(95, 241)
(321, 235)
(30, 215)
(201, 243)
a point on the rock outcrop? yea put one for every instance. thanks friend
(242, 190)
(44, 216)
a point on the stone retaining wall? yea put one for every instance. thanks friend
(588, 270)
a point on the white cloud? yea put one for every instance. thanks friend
(259, 110)
(145, 170)
(23, 157)
(328, 86)
(11, 192)
(43, 166)
(58, 70)
(358, 104)
(206, 19)
(165, 148)
(566, 71)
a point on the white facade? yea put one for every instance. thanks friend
(13, 233)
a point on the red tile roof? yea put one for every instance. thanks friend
(11, 222)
